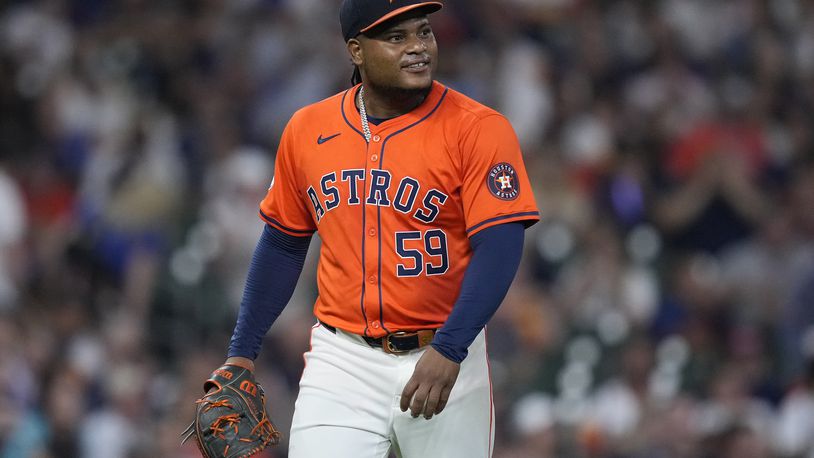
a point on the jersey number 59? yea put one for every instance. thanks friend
(435, 246)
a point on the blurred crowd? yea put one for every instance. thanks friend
(665, 304)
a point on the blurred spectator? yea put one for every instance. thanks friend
(620, 403)
(234, 183)
(534, 425)
(712, 195)
(795, 427)
(12, 231)
(112, 430)
(524, 92)
(733, 415)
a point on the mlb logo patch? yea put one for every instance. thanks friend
(502, 181)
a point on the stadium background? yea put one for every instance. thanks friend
(665, 306)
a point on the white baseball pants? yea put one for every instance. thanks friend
(348, 404)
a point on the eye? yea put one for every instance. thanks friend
(395, 38)
(425, 33)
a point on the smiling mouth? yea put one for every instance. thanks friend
(418, 66)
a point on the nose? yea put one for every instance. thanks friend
(416, 45)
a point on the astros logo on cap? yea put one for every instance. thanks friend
(502, 181)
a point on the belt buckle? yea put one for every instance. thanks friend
(388, 346)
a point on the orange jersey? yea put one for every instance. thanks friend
(395, 215)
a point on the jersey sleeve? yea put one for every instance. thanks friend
(496, 188)
(284, 207)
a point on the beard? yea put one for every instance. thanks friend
(401, 94)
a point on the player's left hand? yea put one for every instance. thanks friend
(429, 387)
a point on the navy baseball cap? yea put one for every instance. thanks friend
(358, 16)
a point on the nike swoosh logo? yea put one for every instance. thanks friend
(321, 140)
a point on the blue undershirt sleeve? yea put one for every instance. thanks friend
(496, 253)
(275, 268)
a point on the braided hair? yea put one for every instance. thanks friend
(356, 78)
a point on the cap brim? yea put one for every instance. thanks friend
(430, 6)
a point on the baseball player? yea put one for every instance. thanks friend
(421, 198)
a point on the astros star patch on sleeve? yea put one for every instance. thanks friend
(502, 181)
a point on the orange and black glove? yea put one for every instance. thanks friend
(231, 419)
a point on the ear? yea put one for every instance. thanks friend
(355, 51)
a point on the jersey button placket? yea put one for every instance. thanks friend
(375, 139)
(372, 247)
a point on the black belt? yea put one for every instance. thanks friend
(395, 342)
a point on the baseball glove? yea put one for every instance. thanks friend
(231, 420)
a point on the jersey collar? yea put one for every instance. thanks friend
(351, 114)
